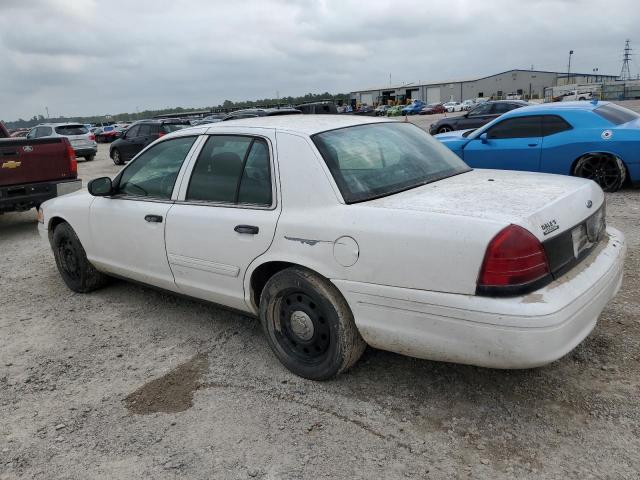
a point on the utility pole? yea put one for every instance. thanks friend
(47, 109)
(625, 73)
(569, 67)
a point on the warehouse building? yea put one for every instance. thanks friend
(524, 84)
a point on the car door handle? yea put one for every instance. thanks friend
(533, 144)
(153, 218)
(250, 229)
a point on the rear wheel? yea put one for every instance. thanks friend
(116, 157)
(606, 170)
(71, 260)
(309, 325)
(89, 158)
(445, 129)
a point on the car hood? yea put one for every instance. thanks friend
(530, 200)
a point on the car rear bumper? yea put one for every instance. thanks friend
(85, 151)
(23, 197)
(517, 332)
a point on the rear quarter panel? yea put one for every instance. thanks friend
(33, 160)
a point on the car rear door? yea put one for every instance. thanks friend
(225, 215)
(128, 228)
(126, 143)
(511, 144)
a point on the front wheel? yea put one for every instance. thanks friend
(89, 158)
(309, 325)
(116, 157)
(71, 260)
(607, 171)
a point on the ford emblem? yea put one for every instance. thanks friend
(589, 203)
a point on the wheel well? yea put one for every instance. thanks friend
(53, 223)
(261, 276)
(604, 154)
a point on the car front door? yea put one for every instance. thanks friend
(225, 216)
(477, 117)
(125, 143)
(511, 144)
(128, 228)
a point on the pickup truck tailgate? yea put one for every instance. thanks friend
(30, 161)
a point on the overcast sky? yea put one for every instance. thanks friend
(85, 57)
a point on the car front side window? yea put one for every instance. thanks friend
(480, 110)
(154, 173)
(519, 127)
(232, 169)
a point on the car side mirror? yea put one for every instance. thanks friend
(100, 187)
(483, 138)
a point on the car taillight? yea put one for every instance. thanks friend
(92, 137)
(71, 157)
(161, 134)
(514, 258)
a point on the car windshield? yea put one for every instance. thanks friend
(616, 114)
(72, 130)
(376, 160)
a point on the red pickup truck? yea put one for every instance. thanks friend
(35, 170)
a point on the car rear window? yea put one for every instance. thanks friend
(72, 130)
(172, 127)
(376, 160)
(616, 114)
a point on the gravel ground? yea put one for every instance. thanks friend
(130, 382)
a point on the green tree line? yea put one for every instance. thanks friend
(226, 105)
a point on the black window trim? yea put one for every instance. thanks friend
(139, 198)
(250, 206)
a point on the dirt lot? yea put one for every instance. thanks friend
(129, 382)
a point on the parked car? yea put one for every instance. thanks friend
(394, 111)
(433, 108)
(261, 112)
(106, 134)
(381, 110)
(498, 269)
(364, 108)
(577, 95)
(35, 170)
(477, 117)
(141, 134)
(20, 134)
(413, 109)
(595, 140)
(468, 105)
(317, 108)
(453, 107)
(82, 141)
(213, 118)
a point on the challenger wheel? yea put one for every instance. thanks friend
(71, 260)
(309, 325)
(607, 171)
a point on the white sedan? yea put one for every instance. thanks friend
(338, 232)
(453, 106)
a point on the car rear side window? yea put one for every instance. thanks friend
(72, 130)
(154, 173)
(518, 127)
(232, 169)
(552, 124)
(133, 131)
(616, 114)
(145, 130)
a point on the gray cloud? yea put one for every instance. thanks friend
(90, 57)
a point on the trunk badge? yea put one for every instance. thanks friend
(27, 148)
(589, 203)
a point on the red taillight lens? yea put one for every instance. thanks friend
(514, 257)
(73, 163)
(92, 137)
(161, 134)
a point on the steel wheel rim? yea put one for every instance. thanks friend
(69, 261)
(303, 328)
(603, 171)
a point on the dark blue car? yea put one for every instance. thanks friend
(595, 140)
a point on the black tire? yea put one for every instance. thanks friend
(309, 325)
(444, 129)
(89, 158)
(116, 157)
(71, 260)
(606, 170)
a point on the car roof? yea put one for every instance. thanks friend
(304, 124)
(59, 124)
(550, 108)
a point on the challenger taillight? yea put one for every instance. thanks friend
(515, 259)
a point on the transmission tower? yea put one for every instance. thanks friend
(625, 73)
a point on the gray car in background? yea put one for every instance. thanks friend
(81, 139)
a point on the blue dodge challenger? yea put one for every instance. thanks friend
(596, 140)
